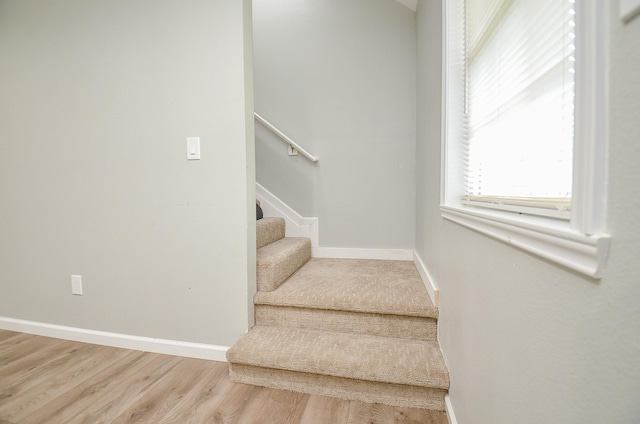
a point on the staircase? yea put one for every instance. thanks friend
(353, 329)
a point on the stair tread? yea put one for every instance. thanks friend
(361, 357)
(359, 285)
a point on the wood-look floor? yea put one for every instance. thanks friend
(45, 380)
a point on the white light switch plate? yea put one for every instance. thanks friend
(193, 148)
(76, 284)
(629, 9)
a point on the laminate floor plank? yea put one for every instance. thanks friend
(199, 405)
(229, 406)
(323, 409)
(14, 341)
(25, 392)
(31, 362)
(153, 405)
(128, 389)
(70, 401)
(367, 413)
(271, 406)
(22, 345)
(383, 414)
(359, 413)
(52, 381)
(49, 366)
(6, 334)
(419, 416)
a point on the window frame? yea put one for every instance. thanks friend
(580, 243)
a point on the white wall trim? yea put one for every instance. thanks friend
(584, 254)
(427, 279)
(349, 253)
(299, 226)
(125, 341)
(449, 409)
(296, 224)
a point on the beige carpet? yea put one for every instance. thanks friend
(384, 287)
(384, 325)
(355, 329)
(344, 388)
(381, 359)
(269, 230)
(278, 260)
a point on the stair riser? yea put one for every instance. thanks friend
(344, 388)
(405, 327)
(269, 230)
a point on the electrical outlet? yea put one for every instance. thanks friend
(76, 285)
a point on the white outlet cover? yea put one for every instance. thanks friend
(629, 9)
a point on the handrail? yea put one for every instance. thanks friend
(283, 136)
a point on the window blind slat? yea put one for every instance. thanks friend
(518, 71)
(519, 82)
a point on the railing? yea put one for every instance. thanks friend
(295, 147)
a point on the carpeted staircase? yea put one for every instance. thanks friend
(353, 329)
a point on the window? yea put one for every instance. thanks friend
(525, 119)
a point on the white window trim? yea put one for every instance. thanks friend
(580, 244)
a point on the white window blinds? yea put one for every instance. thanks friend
(519, 104)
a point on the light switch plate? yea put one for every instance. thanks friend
(629, 9)
(76, 284)
(193, 148)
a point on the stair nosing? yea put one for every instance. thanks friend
(258, 299)
(396, 313)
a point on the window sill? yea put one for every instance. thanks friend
(548, 238)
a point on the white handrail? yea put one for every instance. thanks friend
(291, 143)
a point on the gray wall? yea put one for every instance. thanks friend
(338, 77)
(527, 341)
(96, 100)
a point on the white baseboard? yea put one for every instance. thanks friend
(449, 409)
(349, 253)
(428, 281)
(125, 341)
(296, 224)
(299, 226)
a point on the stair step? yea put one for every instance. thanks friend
(269, 230)
(355, 285)
(277, 261)
(361, 357)
(394, 371)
